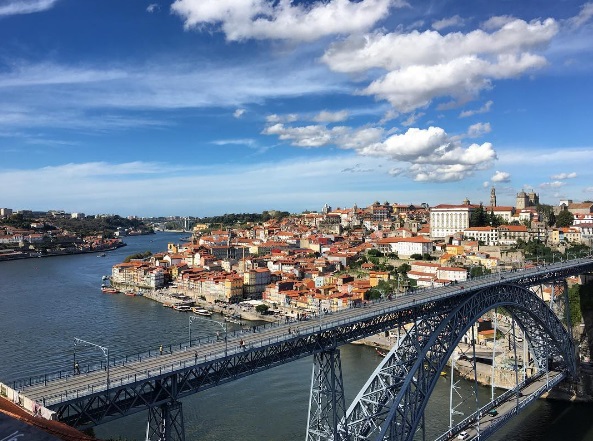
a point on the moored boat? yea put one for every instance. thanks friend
(201, 311)
(183, 308)
(380, 352)
(108, 290)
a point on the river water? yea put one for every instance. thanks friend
(47, 302)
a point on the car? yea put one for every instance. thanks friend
(463, 435)
(492, 412)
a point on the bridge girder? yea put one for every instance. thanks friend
(391, 404)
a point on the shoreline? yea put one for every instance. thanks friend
(8, 258)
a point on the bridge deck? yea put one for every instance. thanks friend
(56, 391)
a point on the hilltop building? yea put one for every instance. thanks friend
(526, 200)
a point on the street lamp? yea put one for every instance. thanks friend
(222, 325)
(104, 349)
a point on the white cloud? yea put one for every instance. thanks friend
(412, 118)
(307, 136)
(561, 176)
(484, 109)
(35, 93)
(432, 153)
(243, 141)
(16, 7)
(287, 20)
(554, 184)
(478, 129)
(497, 22)
(299, 183)
(582, 17)
(501, 176)
(153, 7)
(422, 66)
(485, 184)
(238, 113)
(291, 117)
(331, 117)
(455, 21)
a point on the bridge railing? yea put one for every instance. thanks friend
(123, 360)
(505, 396)
(375, 308)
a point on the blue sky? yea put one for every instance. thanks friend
(204, 107)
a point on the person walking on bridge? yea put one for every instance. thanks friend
(161, 349)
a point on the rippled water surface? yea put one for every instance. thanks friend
(45, 303)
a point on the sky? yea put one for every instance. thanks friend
(206, 107)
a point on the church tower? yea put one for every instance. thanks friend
(493, 197)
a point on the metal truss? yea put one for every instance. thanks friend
(391, 404)
(96, 408)
(165, 423)
(444, 318)
(327, 406)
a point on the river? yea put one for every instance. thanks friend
(47, 302)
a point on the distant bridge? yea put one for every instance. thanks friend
(392, 403)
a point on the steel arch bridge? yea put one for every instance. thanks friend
(392, 402)
(389, 407)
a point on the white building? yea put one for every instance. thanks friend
(405, 246)
(486, 235)
(446, 220)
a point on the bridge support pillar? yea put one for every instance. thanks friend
(327, 405)
(165, 423)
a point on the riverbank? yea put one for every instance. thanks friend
(19, 255)
(231, 312)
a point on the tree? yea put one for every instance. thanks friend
(143, 255)
(574, 304)
(564, 219)
(478, 217)
(404, 268)
(547, 213)
(262, 309)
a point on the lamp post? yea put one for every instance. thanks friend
(222, 325)
(104, 349)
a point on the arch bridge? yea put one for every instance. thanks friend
(389, 407)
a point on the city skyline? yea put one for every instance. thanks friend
(208, 107)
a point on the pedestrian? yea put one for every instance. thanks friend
(289, 331)
(241, 344)
(76, 368)
(161, 349)
(195, 357)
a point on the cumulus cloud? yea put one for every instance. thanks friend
(484, 109)
(455, 21)
(422, 66)
(239, 113)
(432, 154)
(485, 184)
(16, 7)
(478, 129)
(560, 176)
(306, 136)
(331, 117)
(501, 176)
(286, 20)
(274, 118)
